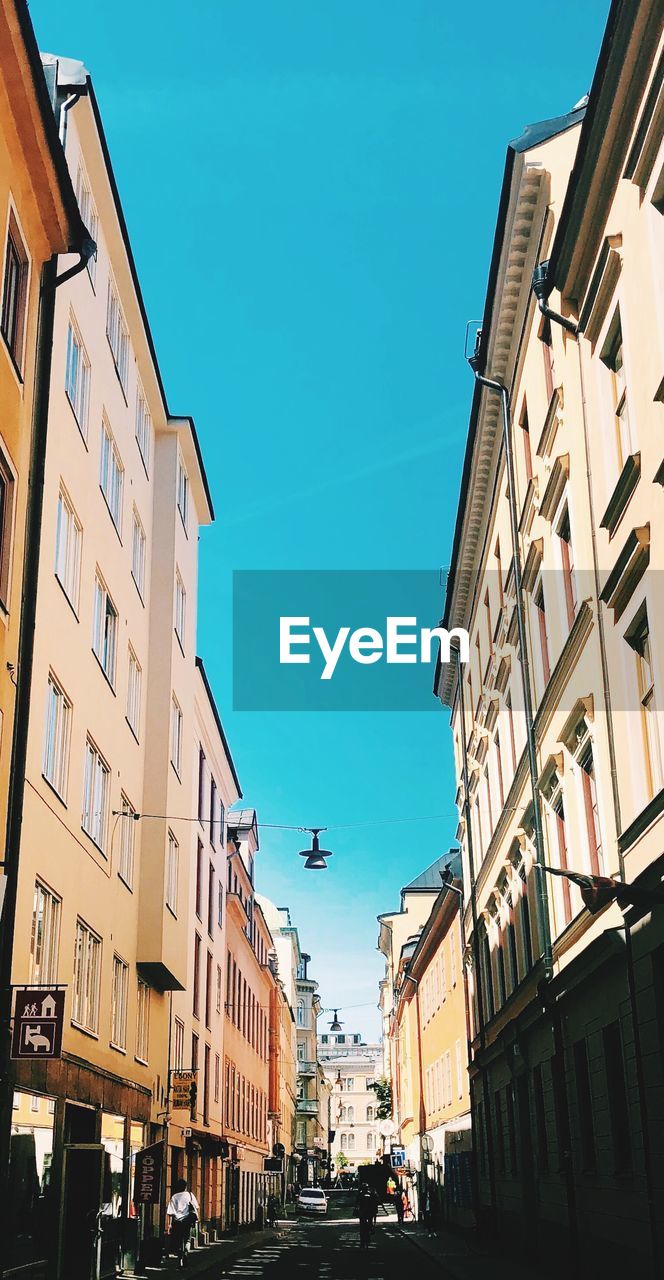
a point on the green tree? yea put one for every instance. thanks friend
(383, 1091)
(341, 1162)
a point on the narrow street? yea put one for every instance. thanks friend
(329, 1249)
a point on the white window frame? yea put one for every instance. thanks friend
(178, 1044)
(176, 735)
(111, 474)
(143, 1021)
(172, 873)
(89, 217)
(182, 492)
(96, 795)
(134, 691)
(127, 841)
(86, 978)
(143, 428)
(118, 335)
(138, 553)
(57, 734)
(180, 608)
(68, 545)
(119, 1002)
(105, 626)
(45, 934)
(77, 376)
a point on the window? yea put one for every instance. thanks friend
(118, 337)
(591, 809)
(351, 1141)
(143, 428)
(553, 792)
(201, 786)
(56, 738)
(143, 1021)
(208, 990)
(176, 735)
(119, 991)
(547, 354)
(199, 880)
(111, 474)
(196, 986)
(300, 1013)
(85, 978)
(525, 436)
(134, 684)
(182, 492)
(138, 553)
(34, 1103)
(194, 1066)
(370, 1114)
(211, 884)
(540, 1120)
(178, 1044)
(96, 787)
(565, 536)
(127, 841)
(45, 935)
(459, 1068)
(351, 1115)
(638, 638)
(584, 1102)
(217, 1074)
(172, 869)
(14, 292)
(370, 1142)
(68, 540)
(220, 904)
(77, 378)
(540, 616)
(350, 1084)
(6, 516)
(180, 607)
(89, 218)
(219, 989)
(104, 629)
(612, 359)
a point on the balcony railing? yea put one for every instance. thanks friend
(307, 1106)
(305, 1067)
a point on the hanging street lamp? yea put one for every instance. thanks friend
(315, 856)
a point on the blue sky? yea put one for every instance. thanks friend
(311, 190)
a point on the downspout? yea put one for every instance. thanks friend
(26, 645)
(493, 384)
(541, 288)
(65, 107)
(488, 1128)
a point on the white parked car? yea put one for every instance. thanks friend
(312, 1200)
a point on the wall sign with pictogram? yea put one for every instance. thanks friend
(38, 1017)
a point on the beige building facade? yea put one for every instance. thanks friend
(566, 1035)
(101, 903)
(351, 1068)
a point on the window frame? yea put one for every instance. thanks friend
(110, 466)
(86, 1002)
(59, 784)
(78, 390)
(138, 540)
(119, 1003)
(100, 768)
(70, 577)
(14, 335)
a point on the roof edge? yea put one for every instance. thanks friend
(200, 666)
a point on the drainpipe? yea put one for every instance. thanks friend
(541, 288)
(64, 109)
(49, 283)
(493, 384)
(488, 1128)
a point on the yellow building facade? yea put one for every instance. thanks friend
(556, 721)
(431, 1048)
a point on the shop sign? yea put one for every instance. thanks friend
(183, 1089)
(147, 1174)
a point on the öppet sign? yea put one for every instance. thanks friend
(147, 1174)
(38, 1018)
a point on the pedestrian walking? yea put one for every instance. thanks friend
(182, 1214)
(399, 1202)
(366, 1209)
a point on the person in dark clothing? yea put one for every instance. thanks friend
(366, 1209)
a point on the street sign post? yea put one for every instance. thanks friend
(38, 1017)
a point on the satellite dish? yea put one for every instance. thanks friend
(387, 1128)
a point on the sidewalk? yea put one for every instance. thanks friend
(461, 1257)
(211, 1257)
